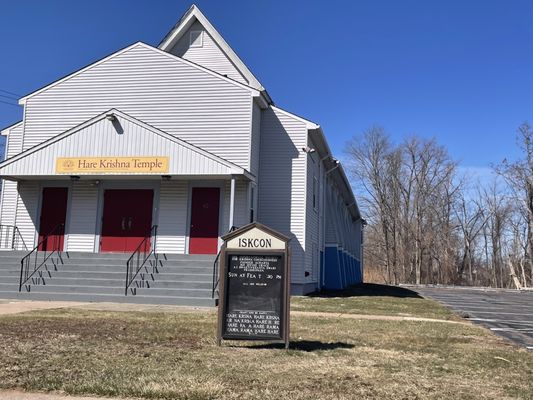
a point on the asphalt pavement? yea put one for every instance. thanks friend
(508, 313)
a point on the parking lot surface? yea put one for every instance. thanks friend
(508, 313)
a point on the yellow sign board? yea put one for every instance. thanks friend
(111, 165)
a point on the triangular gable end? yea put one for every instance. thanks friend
(195, 39)
(135, 47)
(110, 135)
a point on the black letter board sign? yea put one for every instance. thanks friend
(254, 285)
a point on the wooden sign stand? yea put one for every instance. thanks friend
(254, 286)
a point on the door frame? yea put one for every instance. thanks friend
(220, 184)
(54, 184)
(105, 185)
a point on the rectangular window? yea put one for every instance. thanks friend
(315, 193)
(252, 203)
(196, 39)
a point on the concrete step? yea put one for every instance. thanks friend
(50, 286)
(122, 269)
(178, 279)
(17, 256)
(97, 268)
(9, 278)
(60, 280)
(96, 297)
(113, 275)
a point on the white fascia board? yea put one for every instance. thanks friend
(347, 192)
(5, 131)
(22, 101)
(195, 13)
(254, 91)
(309, 124)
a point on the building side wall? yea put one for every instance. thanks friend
(9, 194)
(209, 55)
(156, 88)
(172, 225)
(312, 217)
(255, 145)
(81, 228)
(282, 182)
(330, 231)
(240, 214)
(26, 211)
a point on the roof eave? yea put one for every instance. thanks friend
(5, 131)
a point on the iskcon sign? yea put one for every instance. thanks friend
(112, 165)
(254, 285)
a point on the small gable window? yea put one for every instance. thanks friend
(196, 39)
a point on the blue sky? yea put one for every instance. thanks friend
(460, 71)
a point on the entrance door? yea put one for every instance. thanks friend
(204, 221)
(127, 220)
(53, 214)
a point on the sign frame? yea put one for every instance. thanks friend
(284, 296)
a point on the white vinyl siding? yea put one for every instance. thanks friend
(156, 88)
(312, 216)
(82, 220)
(255, 139)
(104, 139)
(208, 55)
(26, 219)
(9, 188)
(330, 208)
(282, 182)
(240, 215)
(172, 225)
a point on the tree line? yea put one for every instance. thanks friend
(427, 223)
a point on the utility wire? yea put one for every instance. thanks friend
(11, 104)
(11, 93)
(8, 97)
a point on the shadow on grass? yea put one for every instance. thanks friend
(304, 345)
(368, 289)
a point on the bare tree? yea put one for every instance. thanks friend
(519, 177)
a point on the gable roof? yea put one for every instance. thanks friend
(255, 91)
(190, 154)
(5, 131)
(194, 14)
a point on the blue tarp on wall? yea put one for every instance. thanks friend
(340, 269)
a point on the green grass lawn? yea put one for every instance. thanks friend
(174, 356)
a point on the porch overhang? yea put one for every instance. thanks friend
(114, 145)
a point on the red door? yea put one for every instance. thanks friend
(53, 216)
(127, 220)
(204, 221)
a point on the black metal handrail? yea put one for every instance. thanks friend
(11, 238)
(215, 269)
(34, 259)
(136, 261)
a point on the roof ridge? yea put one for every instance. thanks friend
(184, 22)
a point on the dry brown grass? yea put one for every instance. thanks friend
(174, 356)
(373, 299)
